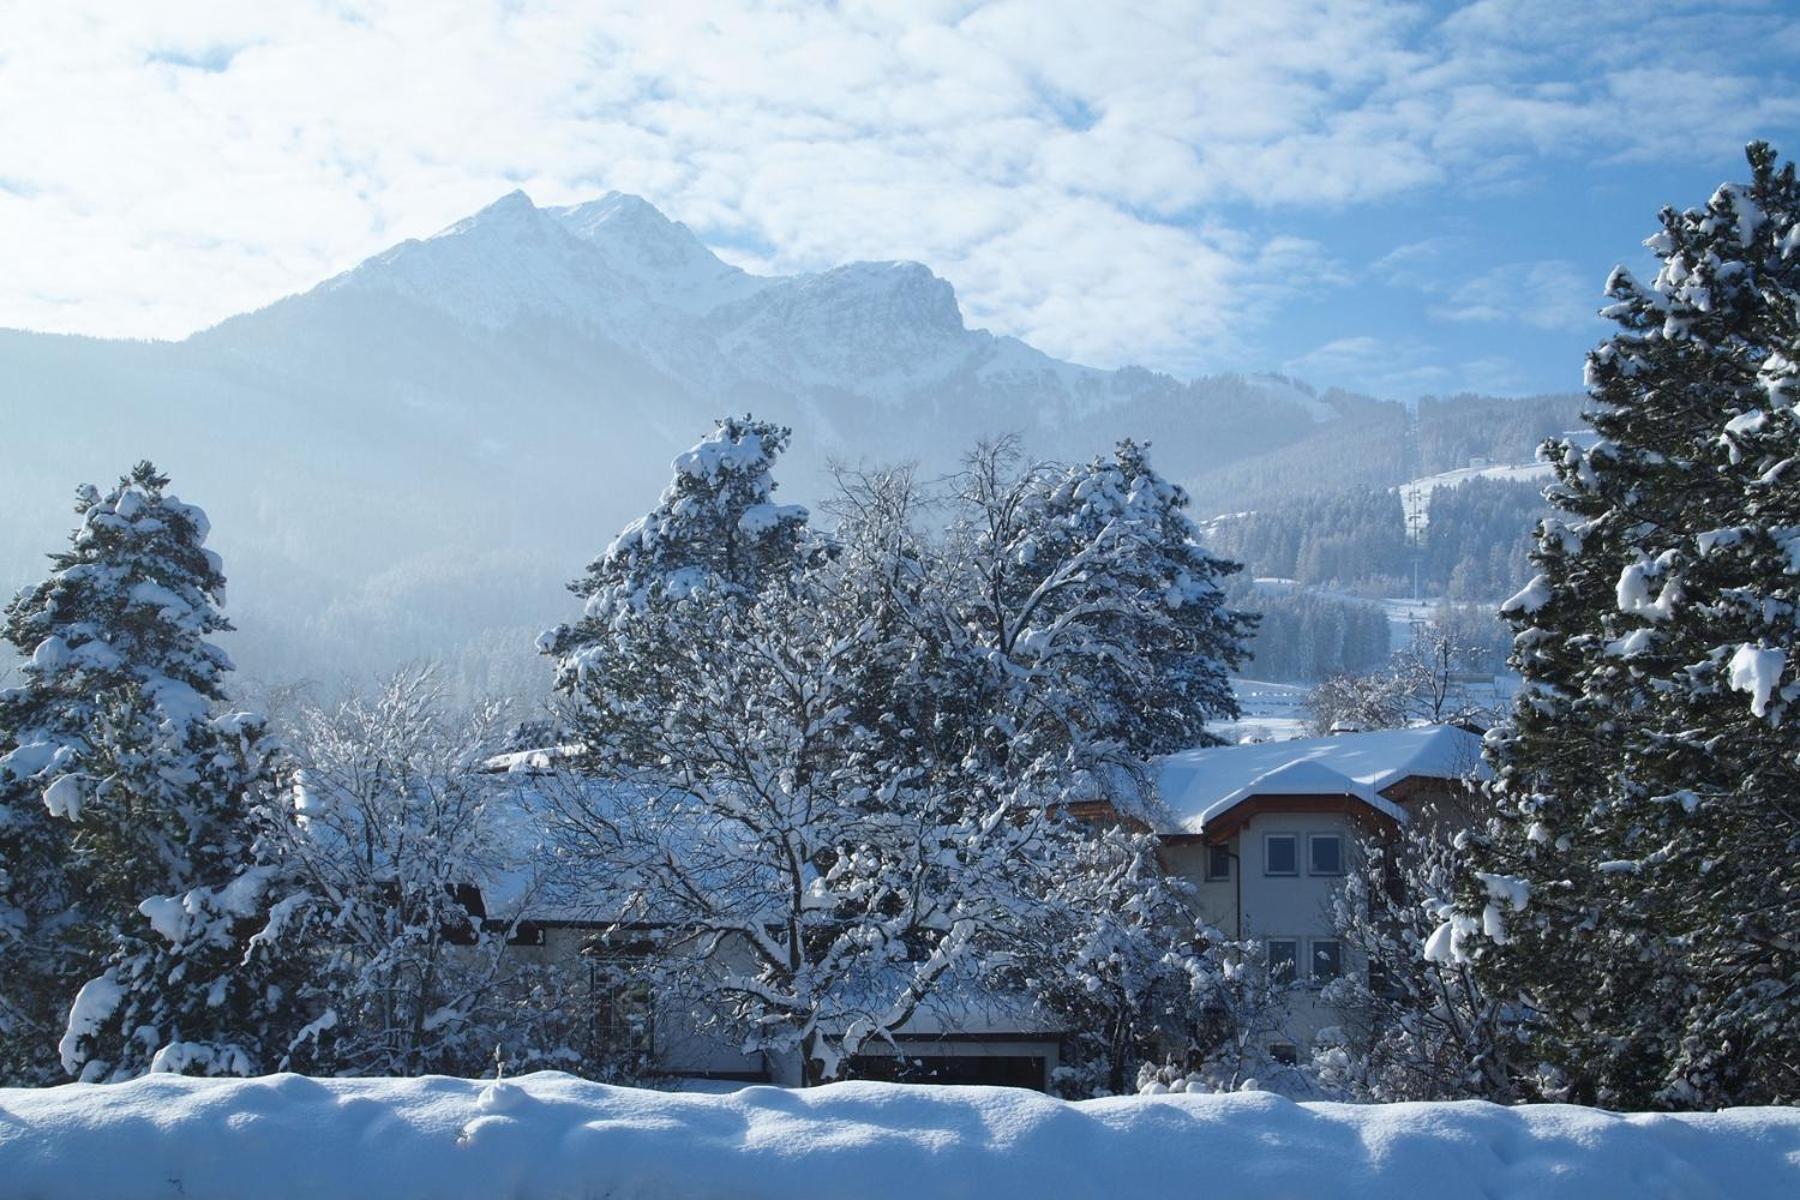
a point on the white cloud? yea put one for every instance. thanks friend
(1402, 368)
(163, 166)
(1550, 295)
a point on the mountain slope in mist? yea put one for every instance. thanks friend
(410, 458)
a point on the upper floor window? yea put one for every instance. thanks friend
(1327, 959)
(1327, 854)
(1281, 853)
(1218, 862)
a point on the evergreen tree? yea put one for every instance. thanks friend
(1637, 891)
(203, 980)
(115, 733)
(715, 529)
(711, 544)
(1417, 1025)
(1094, 621)
(766, 781)
(40, 963)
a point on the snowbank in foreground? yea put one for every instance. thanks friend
(551, 1135)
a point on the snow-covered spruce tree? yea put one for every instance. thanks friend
(760, 785)
(1647, 780)
(198, 981)
(1095, 621)
(1419, 1025)
(114, 735)
(392, 829)
(716, 530)
(40, 964)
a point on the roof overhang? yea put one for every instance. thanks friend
(1227, 823)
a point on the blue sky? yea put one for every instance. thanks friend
(1397, 198)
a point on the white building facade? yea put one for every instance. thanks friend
(1268, 833)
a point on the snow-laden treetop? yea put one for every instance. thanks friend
(130, 600)
(118, 664)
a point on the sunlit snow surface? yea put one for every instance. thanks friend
(551, 1135)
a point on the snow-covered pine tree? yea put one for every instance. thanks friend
(114, 733)
(201, 980)
(714, 540)
(716, 529)
(766, 783)
(40, 963)
(1096, 617)
(1638, 889)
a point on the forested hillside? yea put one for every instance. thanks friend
(1355, 539)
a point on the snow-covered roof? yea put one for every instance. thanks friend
(1198, 786)
(1306, 777)
(543, 758)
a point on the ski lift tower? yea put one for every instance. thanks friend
(1415, 501)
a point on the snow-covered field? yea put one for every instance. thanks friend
(1271, 712)
(551, 1135)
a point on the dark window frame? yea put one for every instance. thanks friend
(1312, 865)
(1218, 854)
(1293, 840)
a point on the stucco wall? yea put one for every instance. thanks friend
(1255, 904)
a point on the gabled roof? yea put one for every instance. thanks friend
(1200, 786)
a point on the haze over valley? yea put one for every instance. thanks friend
(411, 459)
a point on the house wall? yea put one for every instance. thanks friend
(679, 1044)
(1255, 904)
(682, 1045)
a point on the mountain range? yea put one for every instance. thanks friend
(408, 459)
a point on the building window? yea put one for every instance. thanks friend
(1281, 854)
(1327, 853)
(1283, 956)
(1284, 1053)
(1218, 862)
(620, 1013)
(1327, 959)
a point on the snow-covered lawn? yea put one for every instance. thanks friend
(551, 1135)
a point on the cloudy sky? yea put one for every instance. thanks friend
(1400, 198)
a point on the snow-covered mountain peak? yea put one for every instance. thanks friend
(620, 216)
(887, 293)
(882, 328)
(663, 256)
(488, 268)
(619, 268)
(511, 213)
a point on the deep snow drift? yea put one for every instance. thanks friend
(551, 1135)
